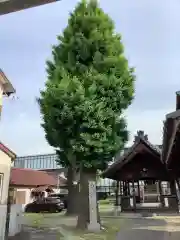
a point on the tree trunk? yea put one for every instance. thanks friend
(86, 175)
(72, 193)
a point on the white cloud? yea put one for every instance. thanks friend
(24, 135)
(151, 122)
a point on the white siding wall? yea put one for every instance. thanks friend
(5, 168)
(15, 225)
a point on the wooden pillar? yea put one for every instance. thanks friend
(134, 196)
(178, 185)
(120, 187)
(118, 199)
(117, 192)
(123, 194)
(178, 194)
(143, 192)
(128, 188)
(173, 201)
(139, 194)
(138, 188)
(173, 187)
(125, 188)
(109, 184)
(125, 200)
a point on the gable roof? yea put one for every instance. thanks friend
(11, 6)
(8, 87)
(7, 151)
(120, 160)
(34, 178)
(170, 132)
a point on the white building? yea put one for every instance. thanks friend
(6, 159)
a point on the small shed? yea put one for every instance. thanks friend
(27, 183)
(140, 162)
(141, 175)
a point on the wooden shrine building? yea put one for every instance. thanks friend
(171, 146)
(143, 181)
(171, 140)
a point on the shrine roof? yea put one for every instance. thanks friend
(8, 88)
(9, 6)
(170, 135)
(123, 159)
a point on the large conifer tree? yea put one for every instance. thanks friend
(89, 86)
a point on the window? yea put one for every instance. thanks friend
(38, 162)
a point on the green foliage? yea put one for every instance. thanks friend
(89, 86)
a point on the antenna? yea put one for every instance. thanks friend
(11, 96)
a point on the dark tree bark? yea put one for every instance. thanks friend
(72, 206)
(86, 175)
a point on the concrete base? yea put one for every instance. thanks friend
(21, 236)
(142, 234)
(94, 227)
(166, 202)
(131, 202)
(117, 210)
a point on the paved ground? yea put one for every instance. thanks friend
(145, 234)
(138, 229)
(148, 229)
(37, 234)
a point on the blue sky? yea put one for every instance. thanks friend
(151, 36)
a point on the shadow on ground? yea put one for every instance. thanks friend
(144, 234)
(148, 229)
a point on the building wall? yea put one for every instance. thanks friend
(1, 97)
(23, 196)
(15, 225)
(5, 168)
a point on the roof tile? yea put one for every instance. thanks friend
(29, 177)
